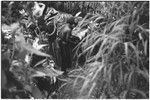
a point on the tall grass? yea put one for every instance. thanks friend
(116, 64)
(114, 48)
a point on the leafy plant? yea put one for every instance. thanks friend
(23, 47)
(110, 61)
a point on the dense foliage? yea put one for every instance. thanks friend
(107, 51)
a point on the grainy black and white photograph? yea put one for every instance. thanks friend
(75, 49)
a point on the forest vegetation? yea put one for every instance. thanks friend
(75, 49)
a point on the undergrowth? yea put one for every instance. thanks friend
(110, 61)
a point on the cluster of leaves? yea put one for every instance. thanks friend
(113, 10)
(19, 45)
(116, 57)
(112, 57)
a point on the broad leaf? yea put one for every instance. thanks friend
(10, 28)
(38, 46)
